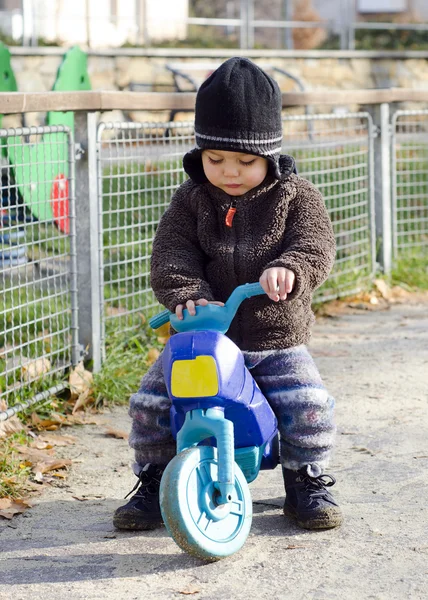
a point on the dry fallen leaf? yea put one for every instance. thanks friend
(152, 356)
(33, 455)
(51, 465)
(41, 445)
(80, 380)
(383, 288)
(164, 333)
(57, 440)
(84, 398)
(54, 421)
(189, 591)
(33, 369)
(114, 311)
(10, 426)
(81, 419)
(9, 507)
(117, 433)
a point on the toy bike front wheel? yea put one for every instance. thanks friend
(194, 520)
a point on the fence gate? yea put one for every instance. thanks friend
(410, 183)
(38, 307)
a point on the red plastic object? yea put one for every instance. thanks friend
(59, 201)
(229, 217)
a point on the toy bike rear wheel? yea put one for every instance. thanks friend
(193, 519)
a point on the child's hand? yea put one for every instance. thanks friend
(190, 305)
(277, 282)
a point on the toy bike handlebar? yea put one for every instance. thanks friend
(211, 316)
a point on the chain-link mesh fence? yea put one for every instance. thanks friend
(410, 183)
(335, 153)
(37, 261)
(140, 167)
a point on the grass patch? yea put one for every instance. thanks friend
(13, 471)
(125, 364)
(411, 271)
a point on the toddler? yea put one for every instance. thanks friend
(244, 216)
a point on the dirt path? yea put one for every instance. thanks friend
(376, 365)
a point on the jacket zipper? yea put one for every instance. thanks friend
(230, 214)
(229, 223)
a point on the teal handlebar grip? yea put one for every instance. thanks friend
(212, 317)
(160, 319)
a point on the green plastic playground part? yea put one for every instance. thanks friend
(7, 83)
(41, 168)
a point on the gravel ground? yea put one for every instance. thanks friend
(376, 365)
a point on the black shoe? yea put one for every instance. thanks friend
(142, 512)
(309, 502)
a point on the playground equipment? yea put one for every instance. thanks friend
(46, 162)
(12, 249)
(225, 431)
(39, 172)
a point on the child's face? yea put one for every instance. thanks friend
(234, 172)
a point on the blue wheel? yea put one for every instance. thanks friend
(193, 519)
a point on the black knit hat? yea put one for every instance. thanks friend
(238, 108)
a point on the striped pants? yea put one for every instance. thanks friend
(290, 381)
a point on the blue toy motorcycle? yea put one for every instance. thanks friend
(225, 431)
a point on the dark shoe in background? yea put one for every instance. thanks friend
(142, 512)
(308, 501)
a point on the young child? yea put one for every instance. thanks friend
(243, 216)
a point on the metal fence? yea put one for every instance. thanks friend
(410, 183)
(335, 152)
(38, 313)
(139, 167)
(125, 185)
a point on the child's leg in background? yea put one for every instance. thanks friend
(151, 436)
(292, 384)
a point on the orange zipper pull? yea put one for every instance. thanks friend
(229, 217)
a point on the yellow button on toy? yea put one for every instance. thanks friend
(195, 378)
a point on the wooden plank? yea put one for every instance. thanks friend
(16, 102)
(361, 97)
(147, 101)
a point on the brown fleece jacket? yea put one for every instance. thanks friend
(280, 223)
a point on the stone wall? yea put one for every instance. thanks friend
(316, 71)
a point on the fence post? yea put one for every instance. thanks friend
(243, 35)
(343, 25)
(250, 25)
(382, 182)
(87, 237)
(287, 15)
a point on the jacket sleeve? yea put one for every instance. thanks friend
(309, 246)
(177, 265)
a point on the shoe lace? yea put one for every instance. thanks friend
(146, 484)
(316, 486)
